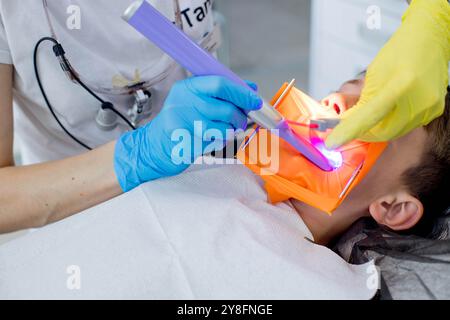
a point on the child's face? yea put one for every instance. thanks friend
(381, 193)
(346, 97)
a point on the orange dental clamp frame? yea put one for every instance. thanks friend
(288, 174)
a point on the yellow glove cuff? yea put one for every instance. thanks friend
(433, 14)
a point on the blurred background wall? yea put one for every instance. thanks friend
(268, 41)
(321, 43)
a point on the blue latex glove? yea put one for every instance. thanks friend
(150, 153)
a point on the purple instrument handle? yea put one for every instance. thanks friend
(148, 21)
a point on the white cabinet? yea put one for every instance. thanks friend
(346, 35)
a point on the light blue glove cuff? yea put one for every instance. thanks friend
(129, 165)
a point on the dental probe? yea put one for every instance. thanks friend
(324, 125)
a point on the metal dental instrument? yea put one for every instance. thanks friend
(275, 106)
(324, 125)
(163, 33)
(352, 179)
(284, 94)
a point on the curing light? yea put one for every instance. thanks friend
(334, 157)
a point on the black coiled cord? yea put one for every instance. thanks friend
(59, 53)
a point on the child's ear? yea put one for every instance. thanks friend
(399, 211)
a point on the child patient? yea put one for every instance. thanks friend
(406, 190)
(210, 233)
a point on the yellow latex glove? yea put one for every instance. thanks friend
(406, 84)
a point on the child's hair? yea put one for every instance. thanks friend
(430, 181)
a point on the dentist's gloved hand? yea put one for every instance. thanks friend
(406, 84)
(193, 106)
